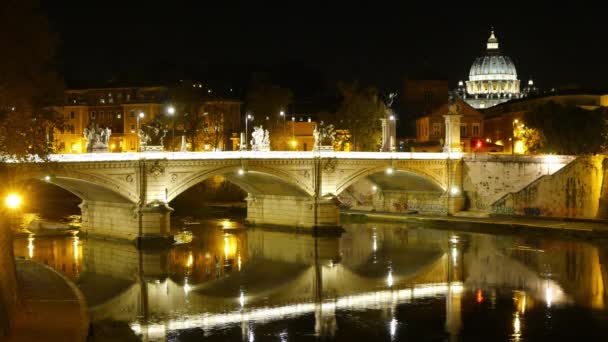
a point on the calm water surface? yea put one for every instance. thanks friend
(381, 282)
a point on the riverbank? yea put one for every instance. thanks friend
(585, 229)
(50, 307)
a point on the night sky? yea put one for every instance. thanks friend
(305, 46)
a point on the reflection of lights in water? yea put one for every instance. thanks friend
(389, 279)
(479, 296)
(30, 247)
(454, 239)
(360, 301)
(226, 224)
(283, 336)
(226, 247)
(548, 295)
(375, 239)
(251, 336)
(454, 255)
(516, 326)
(393, 327)
(523, 305)
(238, 262)
(75, 246)
(242, 299)
(190, 261)
(187, 287)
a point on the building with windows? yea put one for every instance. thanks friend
(118, 108)
(492, 78)
(431, 128)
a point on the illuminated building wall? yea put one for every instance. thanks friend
(432, 127)
(117, 108)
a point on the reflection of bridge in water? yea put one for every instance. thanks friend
(267, 275)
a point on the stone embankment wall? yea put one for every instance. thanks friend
(573, 191)
(487, 178)
(8, 282)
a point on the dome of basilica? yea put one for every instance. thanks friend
(492, 78)
(492, 67)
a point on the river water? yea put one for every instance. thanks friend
(374, 281)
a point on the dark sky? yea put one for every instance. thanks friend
(379, 44)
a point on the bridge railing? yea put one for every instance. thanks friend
(131, 156)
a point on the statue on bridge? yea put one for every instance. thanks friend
(324, 137)
(389, 127)
(151, 137)
(260, 139)
(98, 139)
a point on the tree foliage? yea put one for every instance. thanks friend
(30, 87)
(566, 129)
(265, 101)
(359, 113)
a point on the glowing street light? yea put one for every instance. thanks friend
(247, 118)
(139, 116)
(13, 201)
(171, 112)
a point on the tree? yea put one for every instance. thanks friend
(265, 101)
(30, 88)
(187, 101)
(359, 113)
(567, 129)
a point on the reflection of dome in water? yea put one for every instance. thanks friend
(492, 78)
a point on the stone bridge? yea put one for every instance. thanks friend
(127, 195)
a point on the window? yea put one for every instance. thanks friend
(133, 128)
(476, 131)
(72, 115)
(102, 100)
(101, 113)
(436, 129)
(463, 130)
(132, 113)
(118, 115)
(93, 114)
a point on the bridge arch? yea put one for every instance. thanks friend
(253, 179)
(86, 186)
(401, 176)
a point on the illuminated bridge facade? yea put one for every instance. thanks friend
(127, 195)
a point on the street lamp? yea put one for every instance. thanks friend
(171, 112)
(247, 118)
(515, 122)
(282, 114)
(139, 116)
(293, 132)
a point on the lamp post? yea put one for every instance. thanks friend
(139, 116)
(247, 118)
(171, 112)
(282, 114)
(294, 144)
(513, 136)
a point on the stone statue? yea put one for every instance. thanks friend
(98, 139)
(391, 98)
(151, 136)
(453, 105)
(324, 137)
(266, 140)
(105, 135)
(260, 139)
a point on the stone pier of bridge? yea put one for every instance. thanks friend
(127, 196)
